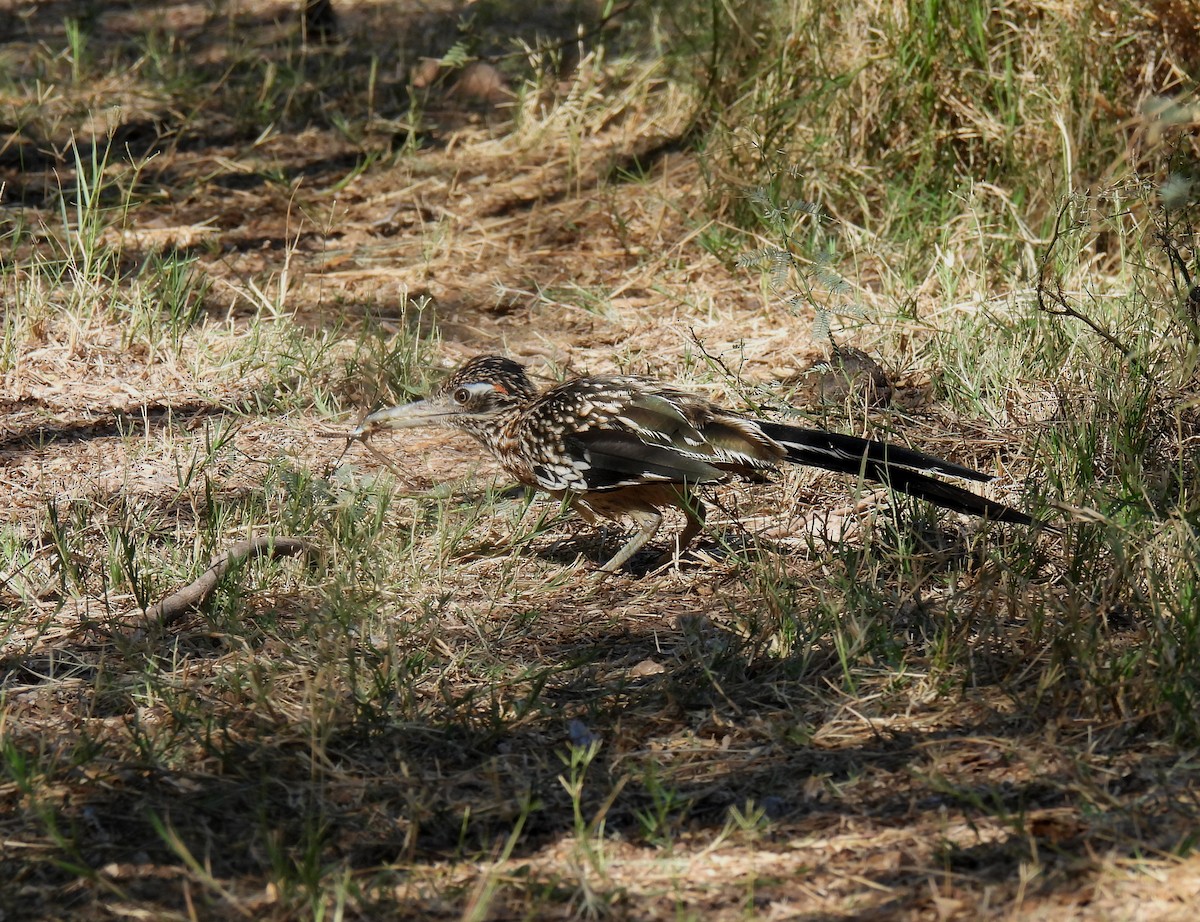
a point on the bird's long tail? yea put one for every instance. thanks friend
(894, 466)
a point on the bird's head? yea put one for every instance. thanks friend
(484, 390)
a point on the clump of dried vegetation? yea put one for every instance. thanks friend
(223, 238)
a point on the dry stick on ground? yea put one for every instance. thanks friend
(194, 594)
(1055, 294)
(1064, 309)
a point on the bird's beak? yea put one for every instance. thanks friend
(420, 413)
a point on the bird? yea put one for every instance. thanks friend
(613, 446)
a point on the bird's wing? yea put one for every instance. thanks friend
(608, 433)
(692, 425)
(615, 459)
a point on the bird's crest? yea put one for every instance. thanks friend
(492, 372)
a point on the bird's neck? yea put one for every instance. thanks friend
(495, 432)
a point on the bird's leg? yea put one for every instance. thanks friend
(648, 520)
(695, 512)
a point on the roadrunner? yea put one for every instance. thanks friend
(616, 446)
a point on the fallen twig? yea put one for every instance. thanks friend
(194, 594)
(1051, 299)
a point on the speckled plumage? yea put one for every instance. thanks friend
(622, 445)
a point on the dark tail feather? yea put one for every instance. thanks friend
(845, 453)
(946, 495)
(899, 468)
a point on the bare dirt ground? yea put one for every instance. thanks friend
(906, 797)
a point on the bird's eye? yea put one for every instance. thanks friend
(461, 396)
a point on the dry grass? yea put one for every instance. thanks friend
(839, 707)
